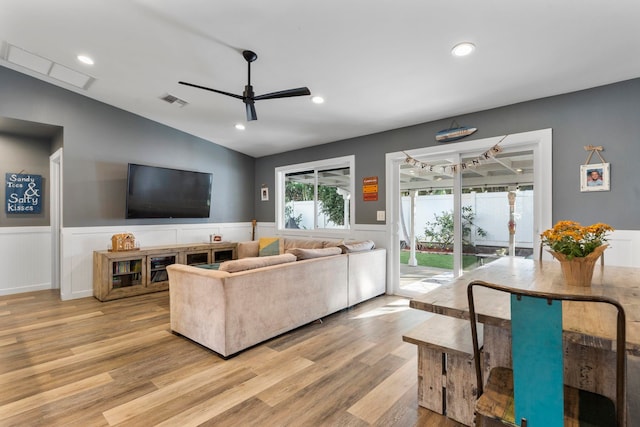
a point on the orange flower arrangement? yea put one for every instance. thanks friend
(574, 240)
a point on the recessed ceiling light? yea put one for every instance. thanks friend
(317, 99)
(463, 49)
(239, 126)
(85, 59)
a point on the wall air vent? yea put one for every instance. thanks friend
(44, 66)
(174, 100)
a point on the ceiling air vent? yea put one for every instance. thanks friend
(174, 100)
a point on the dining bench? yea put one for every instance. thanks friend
(446, 375)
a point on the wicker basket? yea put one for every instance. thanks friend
(578, 271)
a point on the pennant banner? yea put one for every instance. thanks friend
(469, 164)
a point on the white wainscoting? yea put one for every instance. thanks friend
(25, 259)
(624, 248)
(79, 243)
(25, 252)
(374, 232)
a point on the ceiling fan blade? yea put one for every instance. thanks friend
(251, 111)
(212, 90)
(300, 91)
(248, 96)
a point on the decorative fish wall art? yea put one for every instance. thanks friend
(454, 132)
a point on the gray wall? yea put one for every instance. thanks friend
(99, 141)
(607, 116)
(27, 155)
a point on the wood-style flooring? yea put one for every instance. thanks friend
(87, 363)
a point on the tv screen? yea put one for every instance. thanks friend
(155, 192)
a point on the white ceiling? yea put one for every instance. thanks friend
(380, 64)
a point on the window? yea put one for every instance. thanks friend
(315, 195)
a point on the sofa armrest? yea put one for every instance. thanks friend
(197, 305)
(367, 275)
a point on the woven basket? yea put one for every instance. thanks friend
(578, 271)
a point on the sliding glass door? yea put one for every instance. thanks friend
(464, 205)
(427, 229)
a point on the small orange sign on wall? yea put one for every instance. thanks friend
(370, 188)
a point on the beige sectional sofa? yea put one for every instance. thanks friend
(254, 298)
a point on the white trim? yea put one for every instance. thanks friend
(25, 230)
(22, 289)
(540, 141)
(280, 173)
(299, 167)
(55, 214)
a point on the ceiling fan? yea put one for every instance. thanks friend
(248, 97)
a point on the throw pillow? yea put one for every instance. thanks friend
(302, 253)
(332, 243)
(365, 245)
(303, 243)
(269, 246)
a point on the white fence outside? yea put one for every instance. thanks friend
(305, 208)
(491, 214)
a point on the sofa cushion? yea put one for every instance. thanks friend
(365, 245)
(248, 249)
(269, 246)
(255, 262)
(302, 253)
(332, 243)
(303, 243)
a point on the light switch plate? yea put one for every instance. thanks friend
(380, 215)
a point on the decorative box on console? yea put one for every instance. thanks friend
(123, 242)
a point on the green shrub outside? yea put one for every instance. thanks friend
(437, 260)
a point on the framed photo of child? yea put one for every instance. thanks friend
(594, 177)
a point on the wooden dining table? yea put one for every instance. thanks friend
(589, 329)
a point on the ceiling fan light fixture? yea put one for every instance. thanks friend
(317, 99)
(463, 49)
(240, 126)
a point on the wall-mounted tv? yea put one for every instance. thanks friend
(155, 192)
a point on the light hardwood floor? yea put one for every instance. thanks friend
(87, 363)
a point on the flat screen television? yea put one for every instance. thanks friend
(155, 192)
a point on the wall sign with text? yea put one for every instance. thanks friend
(370, 189)
(23, 193)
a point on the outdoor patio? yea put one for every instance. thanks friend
(423, 279)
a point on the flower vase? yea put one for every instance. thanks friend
(578, 271)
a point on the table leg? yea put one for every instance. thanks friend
(496, 348)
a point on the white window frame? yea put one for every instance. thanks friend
(336, 162)
(540, 141)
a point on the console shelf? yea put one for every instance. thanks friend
(128, 273)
